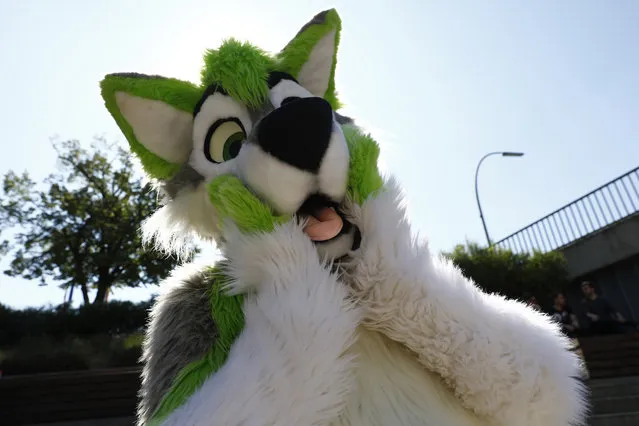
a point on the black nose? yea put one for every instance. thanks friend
(298, 132)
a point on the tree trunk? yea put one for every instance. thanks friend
(85, 293)
(100, 295)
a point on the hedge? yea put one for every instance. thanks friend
(111, 318)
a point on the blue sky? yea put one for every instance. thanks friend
(439, 83)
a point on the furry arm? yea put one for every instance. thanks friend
(290, 365)
(503, 360)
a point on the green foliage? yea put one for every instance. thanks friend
(64, 339)
(4, 248)
(113, 318)
(82, 228)
(501, 271)
(46, 355)
(43, 356)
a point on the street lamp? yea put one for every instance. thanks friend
(481, 214)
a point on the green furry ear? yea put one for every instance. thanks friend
(156, 116)
(312, 55)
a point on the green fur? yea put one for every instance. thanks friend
(296, 53)
(364, 179)
(233, 200)
(179, 94)
(241, 69)
(229, 320)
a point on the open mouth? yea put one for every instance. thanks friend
(326, 222)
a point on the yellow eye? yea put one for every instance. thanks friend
(224, 140)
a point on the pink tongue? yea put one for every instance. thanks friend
(325, 225)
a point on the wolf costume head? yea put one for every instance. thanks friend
(258, 140)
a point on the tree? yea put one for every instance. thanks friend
(82, 229)
(501, 271)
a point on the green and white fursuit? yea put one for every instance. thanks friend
(365, 327)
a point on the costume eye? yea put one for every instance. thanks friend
(220, 127)
(224, 140)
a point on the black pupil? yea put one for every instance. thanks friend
(290, 99)
(234, 148)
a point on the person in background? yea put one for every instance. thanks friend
(563, 315)
(604, 319)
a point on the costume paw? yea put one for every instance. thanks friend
(263, 258)
(386, 240)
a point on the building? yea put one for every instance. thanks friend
(598, 234)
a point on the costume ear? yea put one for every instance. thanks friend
(312, 55)
(156, 116)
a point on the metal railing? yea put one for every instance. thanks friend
(598, 209)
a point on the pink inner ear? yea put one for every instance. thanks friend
(324, 226)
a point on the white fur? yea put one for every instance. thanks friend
(504, 361)
(172, 227)
(333, 172)
(159, 127)
(431, 348)
(315, 74)
(393, 388)
(286, 89)
(337, 247)
(290, 365)
(284, 186)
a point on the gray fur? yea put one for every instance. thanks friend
(260, 112)
(180, 331)
(342, 119)
(187, 176)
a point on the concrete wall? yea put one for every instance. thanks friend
(610, 245)
(610, 259)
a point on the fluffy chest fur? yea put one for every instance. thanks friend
(393, 389)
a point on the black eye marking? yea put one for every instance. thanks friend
(229, 146)
(212, 89)
(290, 99)
(277, 76)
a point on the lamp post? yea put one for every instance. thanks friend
(481, 214)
